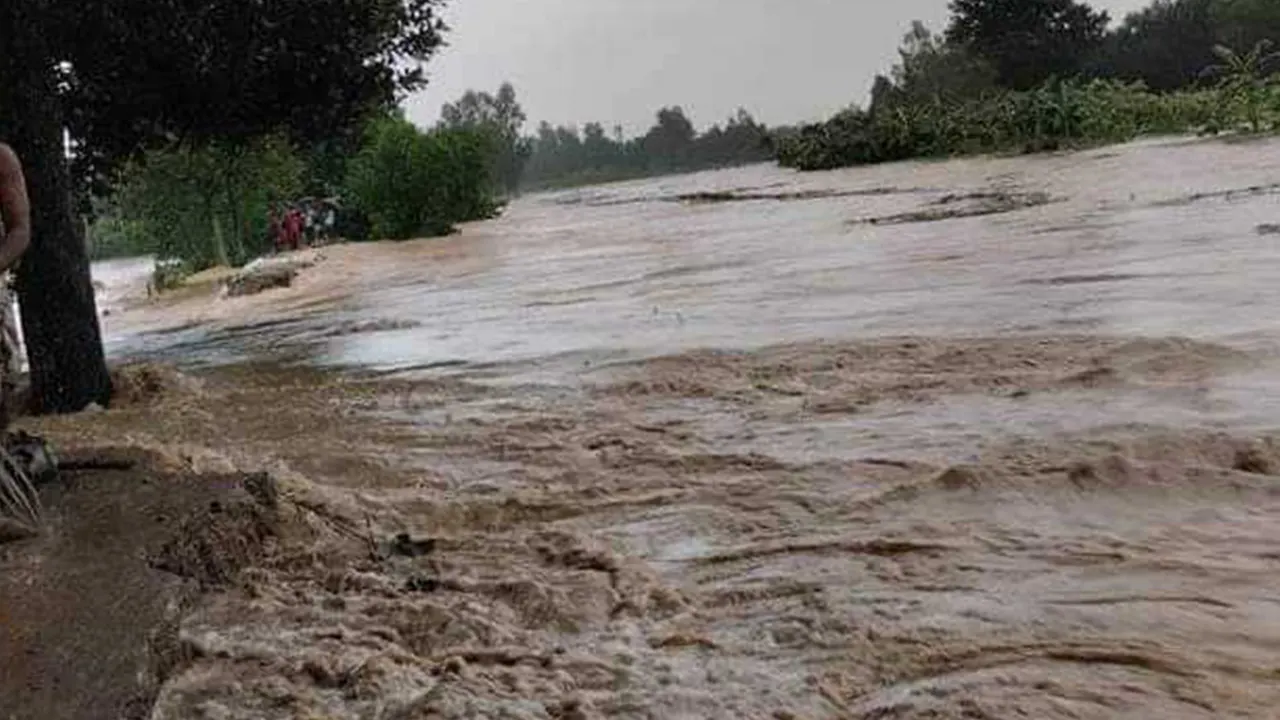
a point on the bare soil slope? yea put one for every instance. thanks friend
(89, 612)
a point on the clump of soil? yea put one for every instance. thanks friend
(261, 280)
(214, 543)
(89, 609)
(149, 383)
(267, 274)
(1256, 459)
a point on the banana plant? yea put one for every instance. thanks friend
(1244, 78)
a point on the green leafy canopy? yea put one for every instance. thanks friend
(137, 73)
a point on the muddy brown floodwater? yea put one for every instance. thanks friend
(987, 438)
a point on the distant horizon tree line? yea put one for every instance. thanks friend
(566, 155)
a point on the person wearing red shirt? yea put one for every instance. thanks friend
(293, 228)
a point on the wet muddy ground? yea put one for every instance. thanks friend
(717, 447)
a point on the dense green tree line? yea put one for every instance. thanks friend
(1168, 44)
(1037, 74)
(564, 156)
(208, 205)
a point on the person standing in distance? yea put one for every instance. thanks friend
(15, 238)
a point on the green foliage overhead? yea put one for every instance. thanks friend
(142, 74)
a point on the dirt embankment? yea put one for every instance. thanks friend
(90, 610)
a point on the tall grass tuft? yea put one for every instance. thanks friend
(19, 500)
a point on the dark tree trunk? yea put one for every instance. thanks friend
(59, 314)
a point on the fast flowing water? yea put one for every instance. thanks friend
(1149, 239)
(994, 440)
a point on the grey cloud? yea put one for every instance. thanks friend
(618, 61)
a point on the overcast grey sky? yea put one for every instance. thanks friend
(618, 61)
